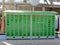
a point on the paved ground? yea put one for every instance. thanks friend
(31, 42)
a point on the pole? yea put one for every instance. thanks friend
(31, 23)
(59, 24)
(33, 8)
(2, 28)
(11, 4)
(43, 8)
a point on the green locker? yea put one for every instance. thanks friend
(17, 25)
(30, 23)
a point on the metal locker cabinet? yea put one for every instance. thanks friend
(30, 24)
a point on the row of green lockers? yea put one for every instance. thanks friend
(23, 25)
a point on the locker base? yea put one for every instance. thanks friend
(30, 38)
(18, 38)
(51, 36)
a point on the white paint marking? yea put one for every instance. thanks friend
(6, 43)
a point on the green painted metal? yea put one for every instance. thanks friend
(43, 25)
(35, 12)
(18, 23)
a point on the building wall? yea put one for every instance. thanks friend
(53, 9)
(22, 7)
(29, 7)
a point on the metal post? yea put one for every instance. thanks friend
(31, 23)
(59, 24)
(2, 28)
(11, 4)
(31, 26)
(33, 8)
(43, 8)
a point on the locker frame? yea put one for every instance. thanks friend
(31, 37)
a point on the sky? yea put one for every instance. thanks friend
(41, 1)
(19, 0)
